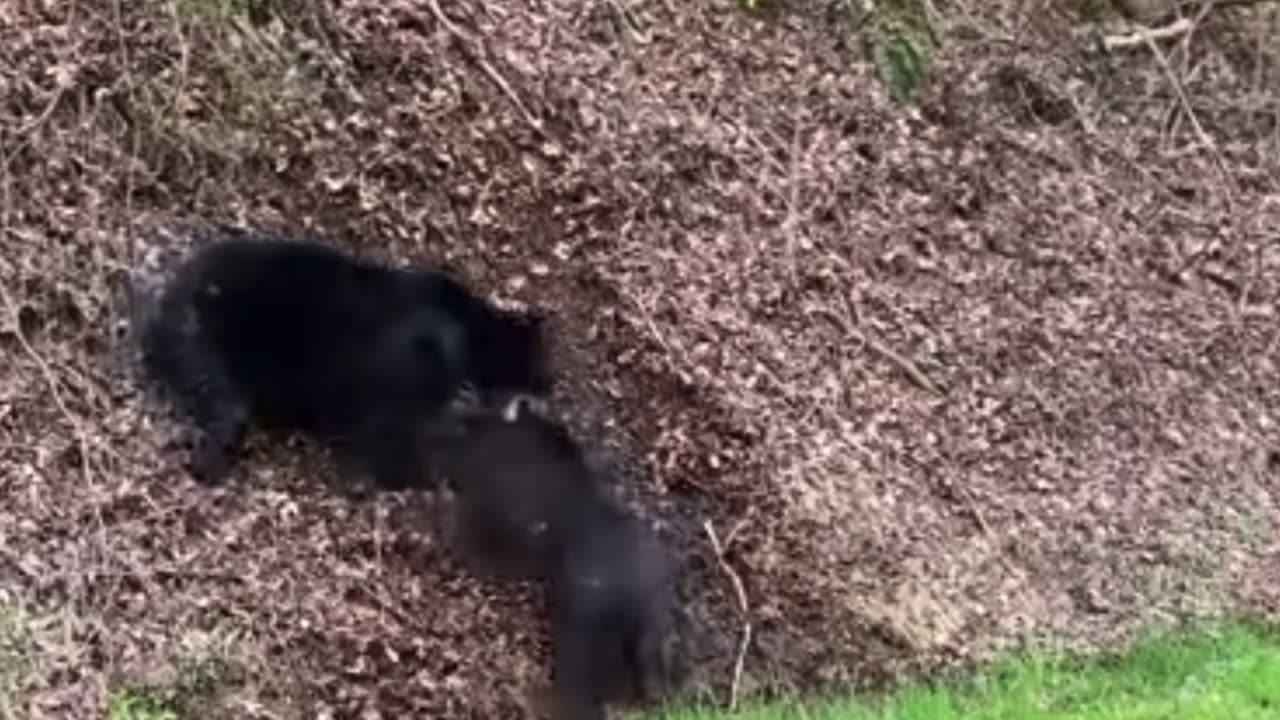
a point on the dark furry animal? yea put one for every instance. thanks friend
(612, 612)
(526, 504)
(302, 337)
(515, 481)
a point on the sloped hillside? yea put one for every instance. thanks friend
(939, 380)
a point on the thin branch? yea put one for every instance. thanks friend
(904, 364)
(472, 48)
(1205, 139)
(52, 382)
(740, 593)
(34, 124)
(1224, 4)
(152, 574)
(1144, 35)
(1181, 26)
(1207, 8)
(909, 368)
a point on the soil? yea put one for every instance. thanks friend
(940, 380)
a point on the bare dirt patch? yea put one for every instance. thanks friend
(951, 379)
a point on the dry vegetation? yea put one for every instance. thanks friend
(940, 380)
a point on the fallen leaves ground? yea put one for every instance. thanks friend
(942, 380)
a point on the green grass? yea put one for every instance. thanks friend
(15, 658)
(140, 704)
(1230, 672)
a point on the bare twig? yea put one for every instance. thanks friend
(966, 497)
(1205, 139)
(139, 574)
(646, 316)
(1181, 26)
(793, 198)
(1144, 35)
(74, 420)
(737, 528)
(627, 18)
(744, 609)
(1224, 4)
(34, 124)
(473, 49)
(904, 364)
(1208, 7)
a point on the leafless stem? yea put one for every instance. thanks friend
(1180, 27)
(904, 364)
(1144, 35)
(53, 383)
(740, 594)
(473, 48)
(1205, 139)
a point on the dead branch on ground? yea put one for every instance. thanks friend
(744, 609)
(1144, 35)
(1203, 135)
(908, 368)
(472, 46)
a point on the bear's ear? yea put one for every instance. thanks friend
(536, 320)
(531, 331)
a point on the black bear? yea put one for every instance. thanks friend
(612, 612)
(526, 504)
(299, 336)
